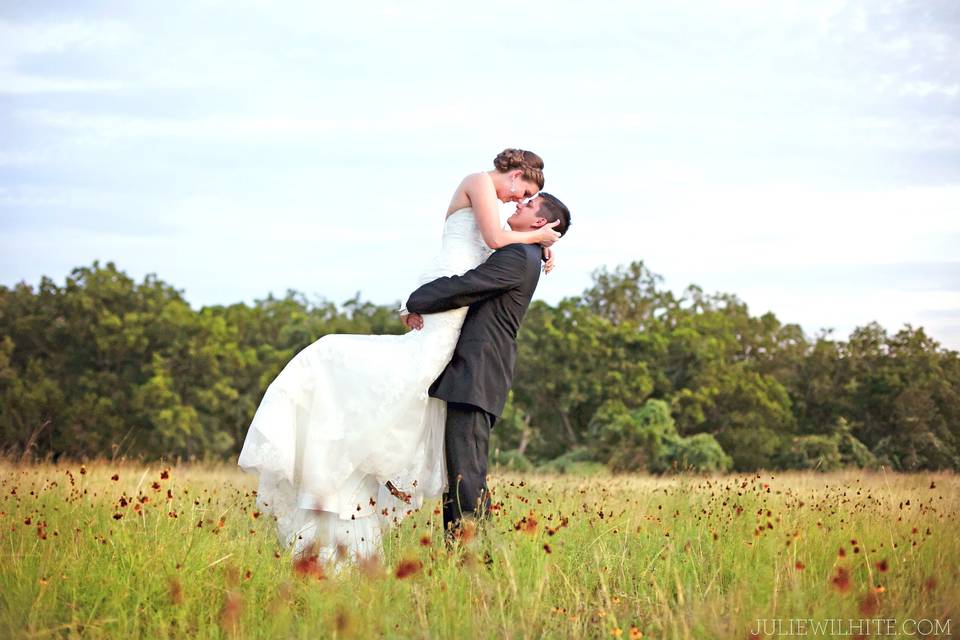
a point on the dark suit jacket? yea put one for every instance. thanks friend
(498, 293)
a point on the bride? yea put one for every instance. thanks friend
(348, 422)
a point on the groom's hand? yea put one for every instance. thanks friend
(412, 320)
(547, 260)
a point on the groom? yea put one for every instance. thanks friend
(476, 381)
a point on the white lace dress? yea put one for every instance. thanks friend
(350, 412)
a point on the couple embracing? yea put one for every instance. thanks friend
(356, 431)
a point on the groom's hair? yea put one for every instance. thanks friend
(552, 209)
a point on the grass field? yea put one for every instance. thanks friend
(120, 551)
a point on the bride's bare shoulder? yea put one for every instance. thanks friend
(470, 185)
(479, 179)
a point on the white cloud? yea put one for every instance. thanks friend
(20, 42)
(22, 39)
(929, 88)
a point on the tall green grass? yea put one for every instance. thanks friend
(674, 557)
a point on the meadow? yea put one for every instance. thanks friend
(122, 550)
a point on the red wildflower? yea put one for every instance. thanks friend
(407, 568)
(308, 566)
(176, 591)
(230, 614)
(841, 580)
(530, 525)
(869, 604)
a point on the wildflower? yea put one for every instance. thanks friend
(635, 634)
(115, 477)
(466, 531)
(176, 591)
(425, 540)
(230, 614)
(882, 566)
(841, 580)
(165, 474)
(530, 525)
(308, 565)
(407, 568)
(370, 566)
(799, 566)
(547, 548)
(869, 604)
(342, 621)
(616, 632)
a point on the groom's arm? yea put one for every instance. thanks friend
(502, 271)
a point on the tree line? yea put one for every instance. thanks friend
(626, 376)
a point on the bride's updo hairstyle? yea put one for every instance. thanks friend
(527, 161)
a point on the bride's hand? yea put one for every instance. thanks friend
(547, 260)
(547, 234)
(412, 321)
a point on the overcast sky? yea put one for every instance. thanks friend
(804, 156)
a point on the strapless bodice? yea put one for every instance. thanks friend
(462, 247)
(461, 233)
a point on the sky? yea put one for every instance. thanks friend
(804, 156)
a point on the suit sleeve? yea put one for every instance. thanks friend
(503, 270)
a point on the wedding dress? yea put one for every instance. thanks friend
(349, 413)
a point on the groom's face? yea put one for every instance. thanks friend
(527, 216)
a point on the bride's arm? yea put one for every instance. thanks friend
(486, 210)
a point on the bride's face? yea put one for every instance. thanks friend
(522, 189)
